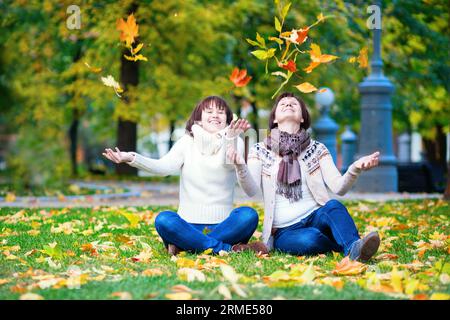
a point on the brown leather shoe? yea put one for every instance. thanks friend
(256, 246)
(173, 249)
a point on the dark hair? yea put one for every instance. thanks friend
(305, 114)
(196, 114)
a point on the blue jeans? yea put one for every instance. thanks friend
(329, 228)
(237, 228)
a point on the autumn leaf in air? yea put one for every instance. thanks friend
(290, 65)
(317, 56)
(93, 69)
(362, 58)
(109, 81)
(128, 30)
(306, 87)
(239, 77)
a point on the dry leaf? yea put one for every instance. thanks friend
(179, 296)
(306, 87)
(239, 77)
(348, 267)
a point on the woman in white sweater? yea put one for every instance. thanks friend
(294, 172)
(205, 217)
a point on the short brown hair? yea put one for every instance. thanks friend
(196, 114)
(305, 114)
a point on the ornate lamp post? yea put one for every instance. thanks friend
(325, 128)
(376, 124)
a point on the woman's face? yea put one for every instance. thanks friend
(214, 118)
(288, 110)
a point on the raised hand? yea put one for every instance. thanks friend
(233, 157)
(118, 156)
(237, 127)
(368, 162)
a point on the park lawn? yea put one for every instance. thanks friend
(115, 253)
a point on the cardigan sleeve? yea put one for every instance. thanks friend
(338, 183)
(249, 175)
(170, 163)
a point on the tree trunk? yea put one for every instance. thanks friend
(73, 130)
(127, 130)
(435, 149)
(73, 137)
(447, 190)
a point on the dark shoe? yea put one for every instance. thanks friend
(173, 249)
(363, 249)
(256, 246)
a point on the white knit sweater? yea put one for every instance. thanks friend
(207, 182)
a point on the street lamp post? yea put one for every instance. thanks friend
(376, 125)
(325, 128)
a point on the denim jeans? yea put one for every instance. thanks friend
(237, 228)
(329, 228)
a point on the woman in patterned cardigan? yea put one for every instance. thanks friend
(294, 172)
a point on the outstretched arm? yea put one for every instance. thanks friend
(341, 184)
(169, 164)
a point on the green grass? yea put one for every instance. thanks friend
(24, 260)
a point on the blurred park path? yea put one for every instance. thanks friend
(164, 194)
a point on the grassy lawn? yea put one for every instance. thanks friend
(115, 253)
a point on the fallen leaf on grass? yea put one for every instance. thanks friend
(347, 267)
(188, 274)
(31, 296)
(122, 295)
(179, 296)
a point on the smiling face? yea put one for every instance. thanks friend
(288, 109)
(214, 118)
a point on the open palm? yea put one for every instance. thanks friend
(118, 156)
(368, 162)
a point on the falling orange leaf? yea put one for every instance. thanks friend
(306, 87)
(311, 66)
(362, 58)
(290, 65)
(349, 267)
(239, 77)
(317, 56)
(296, 36)
(128, 30)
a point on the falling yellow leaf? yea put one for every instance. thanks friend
(317, 56)
(137, 49)
(94, 70)
(306, 87)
